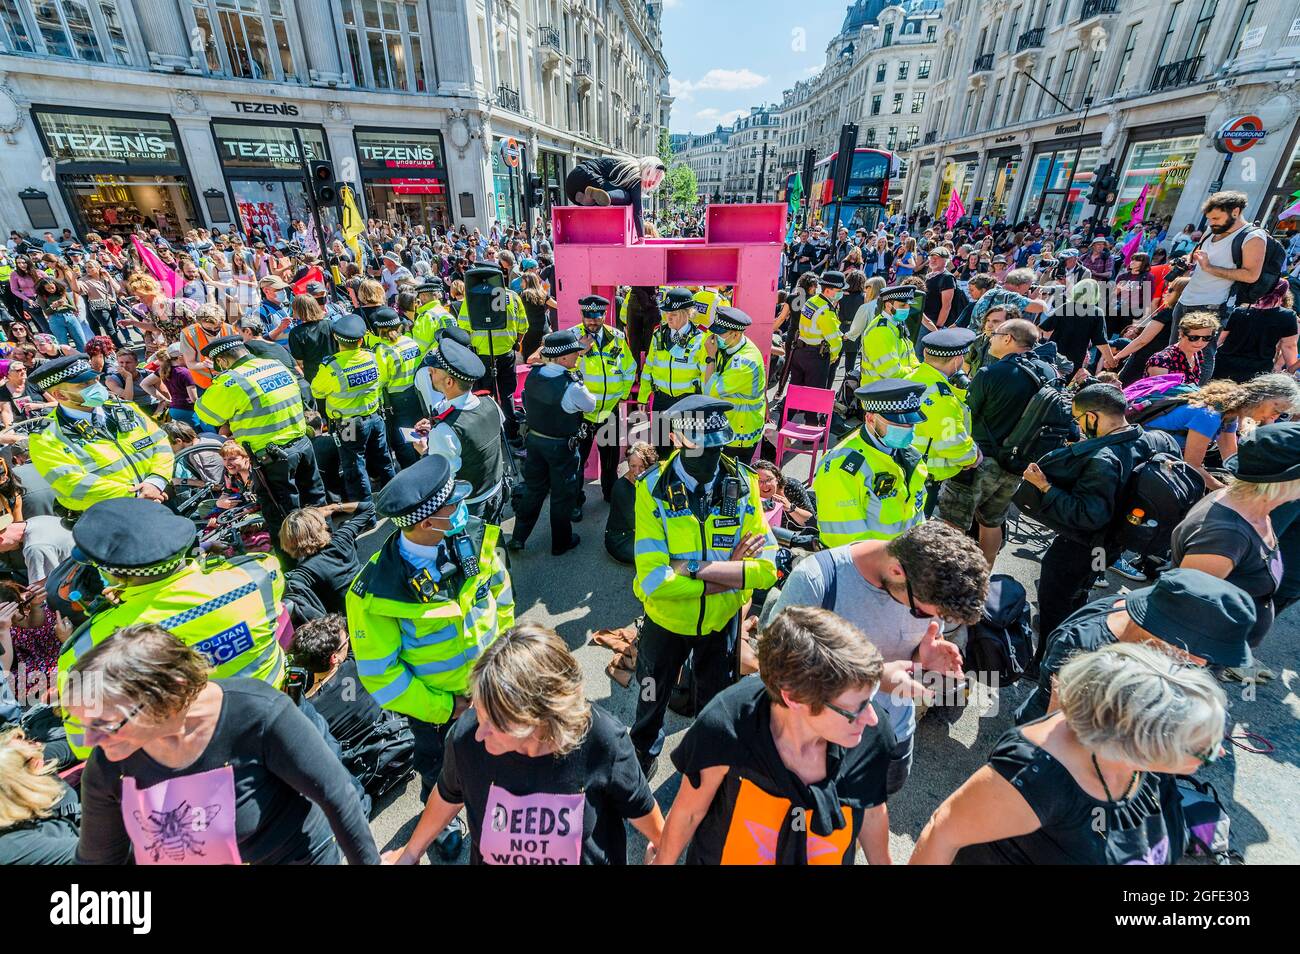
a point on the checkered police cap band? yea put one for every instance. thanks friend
(224, 347)
(560, 351)
(71, 371)
(878, 406)
(945, 351)
(426, 509)
(440, 361)
(157, 569)
(711, 431)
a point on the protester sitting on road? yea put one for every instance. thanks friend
(39, 814)
(1095, 782)
(533, 747)
(789, 508)
(1196, 330)
(327, 560)
(800, 755)
(168, 739)
(620, 526)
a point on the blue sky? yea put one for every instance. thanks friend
(728, 55)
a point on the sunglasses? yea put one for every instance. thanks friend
(849, 715)
(1198, 337)
(911, 602)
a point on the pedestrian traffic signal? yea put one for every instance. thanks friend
(1104, 184)
(535, 194)
(322, 183)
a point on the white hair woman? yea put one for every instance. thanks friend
(545, 777)
(1093, 783)
(613, 181)
(38, 812)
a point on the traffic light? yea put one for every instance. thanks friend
(536, 195)
(1104, 184)
(322, 183)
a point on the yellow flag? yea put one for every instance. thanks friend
(353, 223)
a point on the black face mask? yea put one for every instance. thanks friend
(701, 464)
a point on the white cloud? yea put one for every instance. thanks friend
(718, 81)
(712, 115)
(813, 70)
(672, 4)
(679, 89)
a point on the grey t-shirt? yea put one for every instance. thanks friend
(888, 623)
(46, 544)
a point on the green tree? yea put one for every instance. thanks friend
(683, 188)
(665, 148)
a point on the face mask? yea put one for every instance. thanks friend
(701, 464)
(96, 395)
(897, 436)
(458, 521)
(897, 316)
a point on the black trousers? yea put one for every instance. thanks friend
(404, 410)
(608, 449)
(808, 368)
(364, 456)
(430, 744)
(660, 657)
(290, 473)
(1069, 568)
(551, 467)
(502, 389)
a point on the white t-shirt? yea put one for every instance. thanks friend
(1204, 289)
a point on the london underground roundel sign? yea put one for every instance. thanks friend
(1239, 134)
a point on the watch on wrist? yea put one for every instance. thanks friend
(692, 567)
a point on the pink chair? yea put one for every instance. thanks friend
(521, 374)
(814, 401)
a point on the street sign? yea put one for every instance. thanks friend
(1239, 134)
(510, 152)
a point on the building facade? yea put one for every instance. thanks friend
(707, 156)
(750, 171)
(208, 112)
(1032, 96)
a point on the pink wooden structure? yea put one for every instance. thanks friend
(597, 249)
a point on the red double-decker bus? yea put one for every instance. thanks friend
(864, 202)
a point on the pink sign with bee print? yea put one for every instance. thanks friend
(184, 821)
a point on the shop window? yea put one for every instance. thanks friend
(1162, 166)
(384, 44)
(246, 38)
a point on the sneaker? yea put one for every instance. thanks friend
(598, 196)
(1128, 570)
(448, 845)
(1100, 582)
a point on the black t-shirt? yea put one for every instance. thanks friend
(1212, 528)
(263, 760)
(1253, 334)
(1144, 829)
(44, 841)
(752, 818)
(330, 572)
(1075, 333)
(311, 343)
(1082, 632)
(28, 396)
(269, 349)
(349, 710)
(935, 286)
(547, 810)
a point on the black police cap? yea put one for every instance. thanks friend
(130, 536)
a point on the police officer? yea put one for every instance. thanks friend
(351, 383)
(943, 439)
(399, 358)
(257, 402)
(872, 486)
(736, 373)
(231, 612)
(431, 315)
(608, 371)
(555, 401)
(887, 349)
(674, 365)
(497, 350)
(434, 596)
(702, 547)
(707, 302)
(93, 447)
(820, 340)
(467, 424)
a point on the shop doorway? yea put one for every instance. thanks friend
(110, 204)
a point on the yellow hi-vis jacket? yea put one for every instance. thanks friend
(865, 493)
(943, 439)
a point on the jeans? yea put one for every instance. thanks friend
(68, 328)
(364, 456)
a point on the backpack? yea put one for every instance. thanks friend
(1001, 645)
(1164, 487)
(1207, 825)
(1152, 397)
(960, 302)
(1269, 275)
(1046, 424)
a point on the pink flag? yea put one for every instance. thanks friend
(169, 279)
(955, 209)
(1291, 210)
(1135, 223)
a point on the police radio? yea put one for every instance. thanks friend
(296, 680)
(466, 554)
(732, 488)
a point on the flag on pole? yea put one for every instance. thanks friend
(353, 223)
(171, 282)
(1292, 209)
(313, 274)
(792, 204)
(955, 209)
(1135, 223)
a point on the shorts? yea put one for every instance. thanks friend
(983, 497)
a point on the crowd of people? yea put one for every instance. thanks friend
(253, 501)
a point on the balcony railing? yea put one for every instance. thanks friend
(508, 98)
(931, 137)
(582, 67)
(1030, 40)
(1180, 73)
(983, 63)
(1098, 8)
(549, 36)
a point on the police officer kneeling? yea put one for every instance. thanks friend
(435, 596)
(702, 548)
(231, 612)
(555, 401)
(257, 401)
(94, 447)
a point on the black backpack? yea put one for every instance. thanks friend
(1273, 270)
(1001, 645)
(1164, 487)
(1046, 424)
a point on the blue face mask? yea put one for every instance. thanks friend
(458, 520)
(897, 316)
(95, 396)
(897, 436)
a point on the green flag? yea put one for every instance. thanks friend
(793, 200)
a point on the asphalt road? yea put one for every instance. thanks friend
(586, 590)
